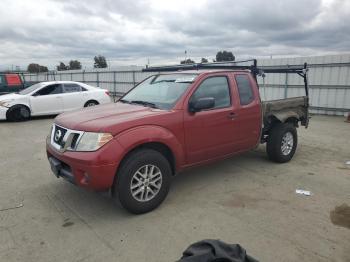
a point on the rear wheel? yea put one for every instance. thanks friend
(282, 142)
(143, 181)
(18, 113)
(91, 103)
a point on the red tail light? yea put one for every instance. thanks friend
(107, 93)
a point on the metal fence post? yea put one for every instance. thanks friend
(133, 78)
(114, 86)
(71, 76)
(286, 86)
(98, 79)
(83, 76)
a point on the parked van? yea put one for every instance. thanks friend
(10, 83)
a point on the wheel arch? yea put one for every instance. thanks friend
(17, 106)
(292, 120)
(285, 116)
(153, 135)
(273, 119)
(156, 146)
(91, 100)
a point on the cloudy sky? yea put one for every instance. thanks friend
(133, 31)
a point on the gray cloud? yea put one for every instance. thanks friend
(133, 31)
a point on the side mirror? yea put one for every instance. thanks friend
(202, 104)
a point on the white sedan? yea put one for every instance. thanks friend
(49, 98)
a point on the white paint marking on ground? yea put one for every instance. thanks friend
(303, 192)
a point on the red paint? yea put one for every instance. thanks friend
(13, 79)
(194, 139)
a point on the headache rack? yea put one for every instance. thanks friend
(301, 70)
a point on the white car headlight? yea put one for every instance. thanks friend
(5, 103)
(93, 141)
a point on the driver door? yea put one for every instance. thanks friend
(210, 133)
(47, 100)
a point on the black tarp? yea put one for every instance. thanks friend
(211, 250)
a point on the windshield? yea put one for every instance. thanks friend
(160, 91)
(30, 89)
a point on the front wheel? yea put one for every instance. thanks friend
(91, 103)
(18, 113)
(143, 181)
(282, 142)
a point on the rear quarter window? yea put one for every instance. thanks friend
(13, 80)
(71, 88)
(245, 89)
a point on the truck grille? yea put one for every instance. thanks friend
(64, 139)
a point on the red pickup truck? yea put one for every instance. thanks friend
(169, 122)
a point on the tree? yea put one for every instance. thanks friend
(224, 56)
(62, 67)
(204, 60)
(187, 61)
(100, 62)
(36, 68)
(74, 65)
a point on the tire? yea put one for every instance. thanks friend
(91, 103)
(282, 142)
(18, 113)
(129, 181)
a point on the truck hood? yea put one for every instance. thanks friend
(112, 118)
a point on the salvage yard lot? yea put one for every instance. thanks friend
(246, 199)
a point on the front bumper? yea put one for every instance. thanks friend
(92, 170)
(3, 111)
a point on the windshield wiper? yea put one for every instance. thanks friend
(162, 81)
(124, 101)
(144, 103)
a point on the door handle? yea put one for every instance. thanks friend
(231, 115)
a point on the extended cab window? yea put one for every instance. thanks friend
(71, 88)
(216, 87)
(50, 90)
(245, 89)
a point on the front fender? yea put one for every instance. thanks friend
(21, 101)
(137, 136)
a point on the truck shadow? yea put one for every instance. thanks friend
(222, 169)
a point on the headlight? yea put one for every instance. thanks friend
(4, 103)
(93, 141)
(49, 135)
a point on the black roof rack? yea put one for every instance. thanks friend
(197, 66)
(233, 65)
